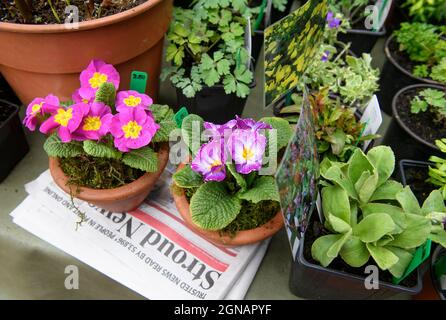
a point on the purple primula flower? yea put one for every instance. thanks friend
(247, 148)
(97, 73)
(251, 124)
(95, 124)
(132, 99)
(210, 161)
(133, 129)
(66, 121)
(38, 108)
(220, 130)
(325, 56)
(78, 98)
(332, 21)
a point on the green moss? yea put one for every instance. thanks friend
(252, 215)
(98, 173)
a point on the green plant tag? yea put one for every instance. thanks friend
(180, 115)
(138, 81)
(421, 254)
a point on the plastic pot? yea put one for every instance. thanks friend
(277, 15)
(393, 78)
(13, 144)
(405, 143)
(41, 59)
(362, 41)
(213, 104)
(257, 44)
(312, 281)
(121, 199)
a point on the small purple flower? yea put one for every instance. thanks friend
(38, 108)
(247, 148)
(210, 161)
(325, 56)
(132, 99)
(218, 130)
(95, 124)
(66, 121)
(251, 124)
(332, 21)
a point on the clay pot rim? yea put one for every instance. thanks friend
(115, 194)
(84, 25)
(400, 121)
(242, 237)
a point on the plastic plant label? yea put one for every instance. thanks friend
(138, 81)
(297, 175)
(372, 118)
(291, 45)
(421, 254)
(180, 115)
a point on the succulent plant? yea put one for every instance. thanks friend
(368, 215)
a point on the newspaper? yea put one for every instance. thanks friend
(150, 250)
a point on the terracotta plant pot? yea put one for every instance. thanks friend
(240, 238)
(122, 199)
(41, 59)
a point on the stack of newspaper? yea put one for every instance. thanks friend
(150, 250)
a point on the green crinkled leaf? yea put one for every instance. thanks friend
(263, 188)
(408, 201)
(54, 147)
(101, 150)
(373, 227)
(382, 256)
(387, 191)
(415, 234)
(433, 203)
(106, 94)
(335, 175)
(212, 207)
(334, 250)
(366, 185)
(187, 178)
(335, 201)
(357, 165)
(191, 130)
(337, 224)
(439, 237)
(283, 129)
(161, 112)
(163, 133)
(396, 213)
(238, 177)
(404, 259)
(144, 159)
(383, 159)
(320, 248)
(354, 252)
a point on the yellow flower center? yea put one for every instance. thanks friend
(63, 116)
(214, 164)
(132, 101)
(97, 79)
(131, 130)
(247, 153)
(92, 124)
(85, 101)
(36, 108)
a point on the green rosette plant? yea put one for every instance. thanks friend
(224, 183)
(437, 172)
(207, 47)
(370, 216)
